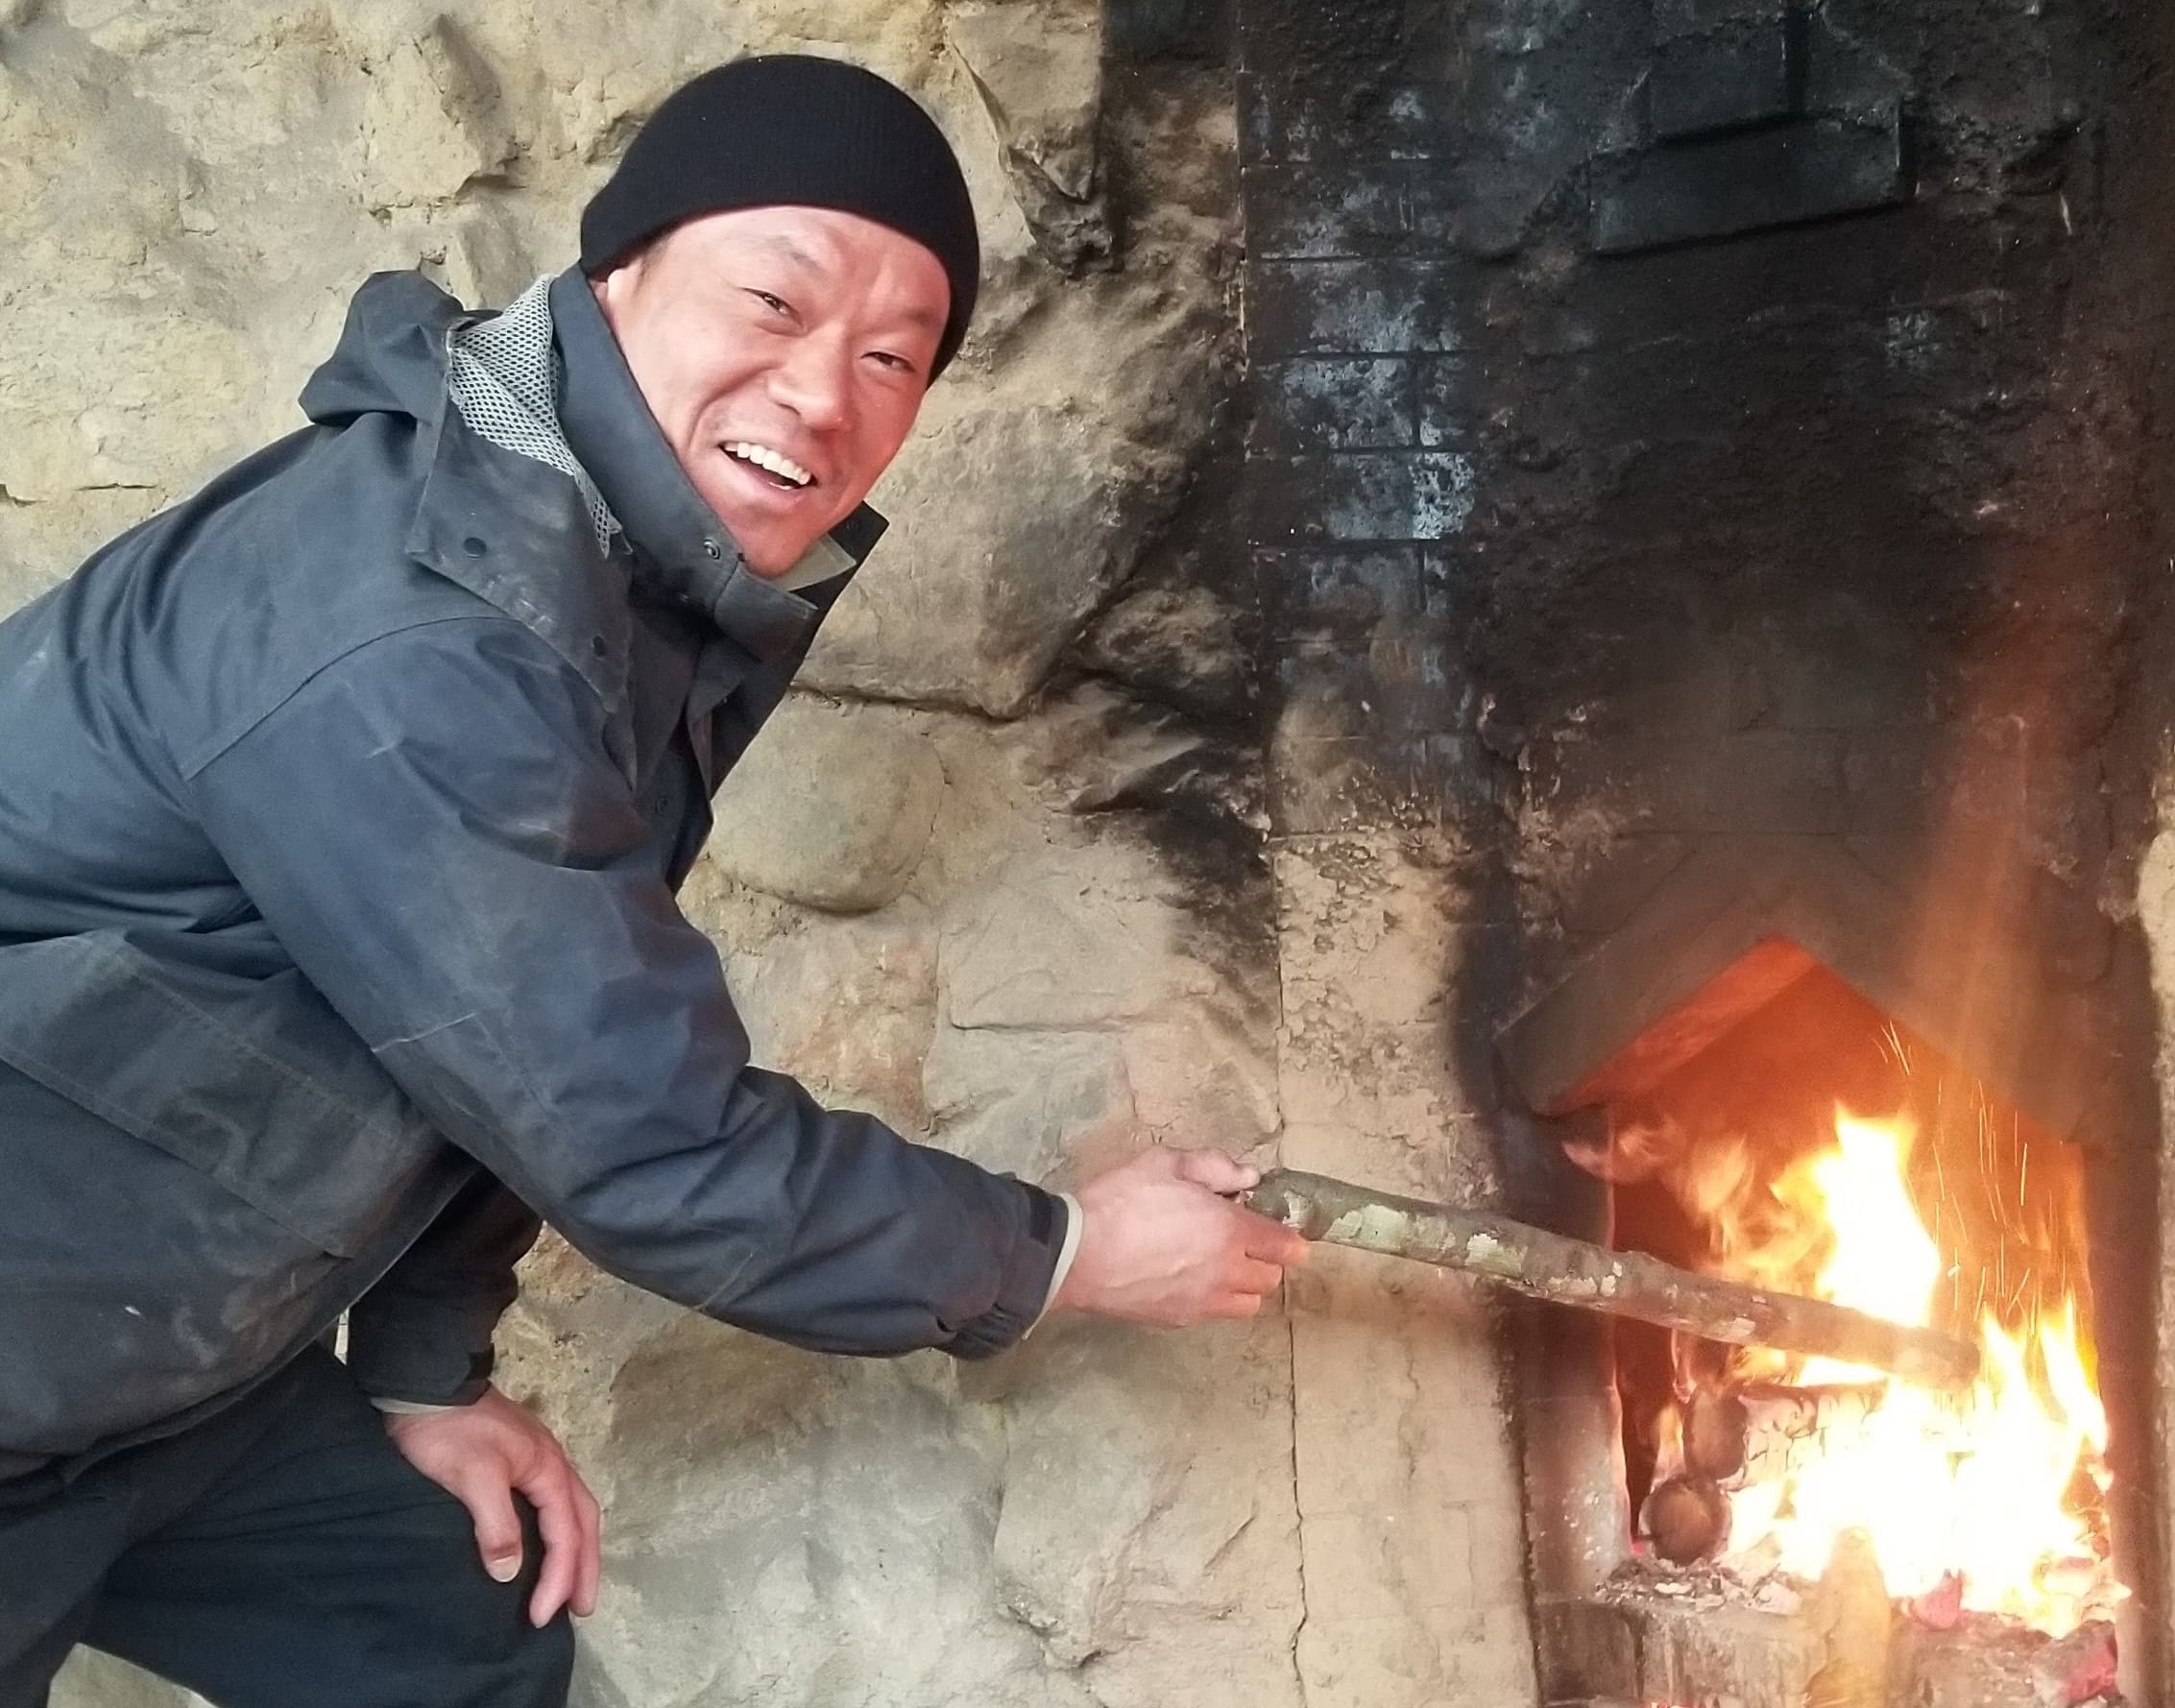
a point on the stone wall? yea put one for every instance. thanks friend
(1016, 902)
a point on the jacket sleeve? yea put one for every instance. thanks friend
(435, 830)
(423, 1334)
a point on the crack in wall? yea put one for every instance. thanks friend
(1298, 1513)
(1290, 1319)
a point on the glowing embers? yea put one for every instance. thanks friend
(1915, 1197)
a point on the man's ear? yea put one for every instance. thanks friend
(613, 286)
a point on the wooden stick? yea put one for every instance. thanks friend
(1565, 1271)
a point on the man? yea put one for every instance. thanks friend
(341, 812)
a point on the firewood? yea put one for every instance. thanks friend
(1565, 1271)
(1686, 1518)
(1789, 1429)
(1715, 1426)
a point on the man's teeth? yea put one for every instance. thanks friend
(764, 457)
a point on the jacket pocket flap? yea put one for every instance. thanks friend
(221, 1074)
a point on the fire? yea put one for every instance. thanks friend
(1980, 1486)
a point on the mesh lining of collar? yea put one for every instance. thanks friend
(503, 375)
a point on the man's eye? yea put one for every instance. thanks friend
(776, 304)
(896, 363)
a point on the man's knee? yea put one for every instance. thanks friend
(528, 1668)
(541, 1667)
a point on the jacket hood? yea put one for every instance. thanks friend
(391, 357)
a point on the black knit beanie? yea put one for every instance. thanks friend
(789, 129)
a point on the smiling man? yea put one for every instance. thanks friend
(342, 812)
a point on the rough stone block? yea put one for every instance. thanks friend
(1113, 1461)
(980, 597)
(833, 811)
(844, 1005)
(1731, 77)
(433, 121)
(1361, 495)
(1024, 1103)
(1777, 177)
(1322, 213)
(1078, 939)
(1371, 308)
(1040, 77)
(1354, 403)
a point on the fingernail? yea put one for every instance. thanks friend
(505, 1571)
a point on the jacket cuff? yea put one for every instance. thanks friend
(1030, 1278)
(1074, 1221)
(410, 1408)
(417, 1366)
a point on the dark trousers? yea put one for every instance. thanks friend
(280, 1555)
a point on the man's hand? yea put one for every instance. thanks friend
(480, 1454)
(1160, 1243)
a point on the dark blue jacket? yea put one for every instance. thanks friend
(341, 809)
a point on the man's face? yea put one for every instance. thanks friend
(784, 352)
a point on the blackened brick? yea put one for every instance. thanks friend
(1775, 782)
(1404, 122)
(1725, 80)
(1310, 594)
(1449, 414)
(1322, 213)
(1318, 784)
(1835, 669)
(1384, 308)
(1480, 208)
(1776, 176)
(1609, 884)
(1397, 682)
(1692, 17)
(1361, 403)
(1752, 782)
(1356, 782)
(1361, 495)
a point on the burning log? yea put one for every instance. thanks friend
(1565, 1271)
(1785, 1430)
(1686, 1518)
(1716, 1425)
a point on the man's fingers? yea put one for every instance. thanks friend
(593, 1549)
(1272, 1243)
(1257, 1277)
(553, 1497)
(497, 1527)
(1217, 1171)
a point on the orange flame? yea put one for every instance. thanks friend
(1977, 1484)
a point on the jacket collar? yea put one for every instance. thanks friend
(683, 554)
